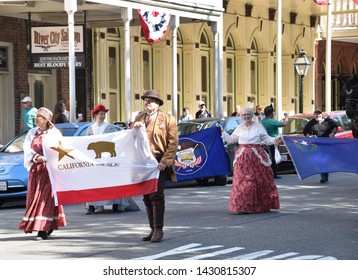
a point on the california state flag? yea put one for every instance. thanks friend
(101, 167)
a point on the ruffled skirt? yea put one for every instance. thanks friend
(253, 186)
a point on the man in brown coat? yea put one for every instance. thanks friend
(162, 133)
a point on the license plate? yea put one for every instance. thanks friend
(3, 186)
(284, 157)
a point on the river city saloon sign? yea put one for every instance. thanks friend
(49, 47)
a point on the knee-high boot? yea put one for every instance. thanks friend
(158, 221)
(149, 209)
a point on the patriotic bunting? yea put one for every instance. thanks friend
(154, 24)
(321, 2)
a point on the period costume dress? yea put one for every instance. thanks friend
(41, 212)
(253, 186)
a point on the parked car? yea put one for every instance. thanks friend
(229, 124)
(295, 126)
(13, 174)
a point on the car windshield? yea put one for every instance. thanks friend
(187, 128)
(16, 145)
(295, 126)
(345, 121)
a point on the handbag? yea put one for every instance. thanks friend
(278, 157)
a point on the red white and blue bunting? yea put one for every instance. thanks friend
(325, 2)
(321, 2)
(154, 24)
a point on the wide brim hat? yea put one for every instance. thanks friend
(45, 113)
(152, 94)
(98, 108)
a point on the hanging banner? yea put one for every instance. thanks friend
(321, 2)
(154, 24)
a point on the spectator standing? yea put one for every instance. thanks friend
(271, 125)
(162, 133)
(99, 127)
(237, 111)
(67, 113)
(59, 113)
(320, 127)
(202, 112)
(186, 115)
(41, 213)
(28, 114)
(253, 186)
(259, 113)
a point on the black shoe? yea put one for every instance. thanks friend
(49, 232)
(323, 181)
(90, 210)
(277, 177)
(42, 234)
(115, 207)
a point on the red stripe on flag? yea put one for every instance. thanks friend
(108, 193)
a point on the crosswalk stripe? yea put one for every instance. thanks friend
(282, 256)
(216, 253)
(307, 257)
(252, 256)
(179, 250)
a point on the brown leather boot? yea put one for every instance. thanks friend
(157, 235)
(158, 221)
(149, 236)
(149, 209)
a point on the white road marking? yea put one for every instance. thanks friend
(196, 247)
(282, 256)
(179, 250)
(216, 253)
(252, 256)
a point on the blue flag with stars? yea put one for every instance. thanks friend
(312, 155)
(201, 154)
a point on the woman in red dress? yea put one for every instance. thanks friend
(253, 185)
(41, 213)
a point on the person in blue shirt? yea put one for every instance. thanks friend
(28, 114)
(271, 125)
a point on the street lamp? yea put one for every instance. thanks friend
(302, 64)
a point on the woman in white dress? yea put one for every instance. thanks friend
(99, 127)
(253, 185)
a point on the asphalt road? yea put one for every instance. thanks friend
(315, 222)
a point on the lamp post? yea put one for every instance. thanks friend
(301, 65)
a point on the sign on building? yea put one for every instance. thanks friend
(49, 46)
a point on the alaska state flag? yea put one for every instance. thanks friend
(201, 154)
(322, 155)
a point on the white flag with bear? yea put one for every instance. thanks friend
(101, 167)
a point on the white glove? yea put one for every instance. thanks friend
(221, 128)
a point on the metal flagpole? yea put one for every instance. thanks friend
(328, 57)
(71, 8)
(279, 60)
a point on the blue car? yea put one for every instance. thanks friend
(13, 174)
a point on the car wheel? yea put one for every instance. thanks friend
(220, 180)
(202, 181)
